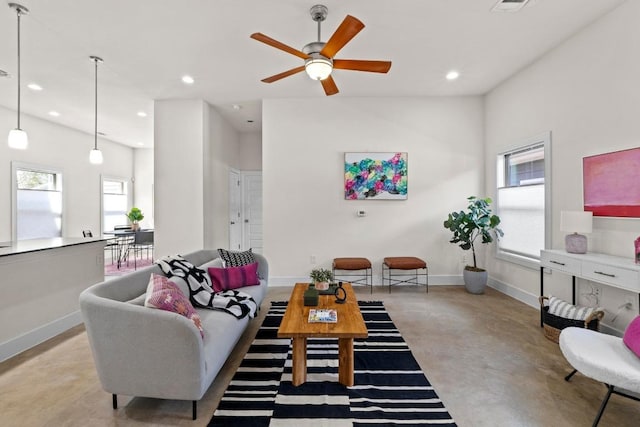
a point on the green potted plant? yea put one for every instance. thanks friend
(135, 216)
(467, 227)
(321, 278)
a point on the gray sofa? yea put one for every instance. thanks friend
(141, 351)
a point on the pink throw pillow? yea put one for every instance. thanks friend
(632, 336)
(224, 279)
(165, 295)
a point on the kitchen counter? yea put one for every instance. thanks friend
(34, 245)
(41, 280)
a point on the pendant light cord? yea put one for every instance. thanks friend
(19, 12)
(95, 122)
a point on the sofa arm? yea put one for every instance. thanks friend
(141, 351)
(263, 266)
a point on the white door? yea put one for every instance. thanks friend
(252, 209)
(235, 211)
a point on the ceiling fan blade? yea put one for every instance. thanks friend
(358, 65)
(284, 74)
(345, 32)
(329, 86)
(278, 45)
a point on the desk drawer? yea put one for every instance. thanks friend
(560, 263)
(614, 276)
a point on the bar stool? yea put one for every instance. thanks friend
(358, 267)
(403, 266)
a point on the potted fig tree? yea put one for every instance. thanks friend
(477, 222)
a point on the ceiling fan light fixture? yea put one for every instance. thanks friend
(318, 67)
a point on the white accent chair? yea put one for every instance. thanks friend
(604, 358)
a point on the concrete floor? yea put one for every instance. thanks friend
(484, 354)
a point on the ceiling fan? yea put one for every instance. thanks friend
(318, 56)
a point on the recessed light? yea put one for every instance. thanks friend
(141, 144)
(54, 113)
(142, 114)
(34, 86)
(187, 80)
(452, 75)
(236, 107)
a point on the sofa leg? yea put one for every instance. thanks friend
(114, 399)
(194, 409)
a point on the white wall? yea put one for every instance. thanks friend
(586, 93)
(178, 176)
(143, 184)
(305, 214)
(223, 153)
(251, 151)
(194, 149)
(67, 149)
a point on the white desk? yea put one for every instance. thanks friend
(609, 270)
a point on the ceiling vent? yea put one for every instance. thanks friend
(509, 5)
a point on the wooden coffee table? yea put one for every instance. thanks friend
(295, 325)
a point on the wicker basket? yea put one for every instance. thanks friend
(553, 324)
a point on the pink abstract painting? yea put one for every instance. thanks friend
(611, 183)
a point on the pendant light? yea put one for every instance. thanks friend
(95, 155)
(17, 137)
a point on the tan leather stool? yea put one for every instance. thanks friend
(402, 266)
(363, 265)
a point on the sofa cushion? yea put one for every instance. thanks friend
(235, 258)
(257, 292)
(164, 294)
(223, 279)
(218, 263)
(139, 300)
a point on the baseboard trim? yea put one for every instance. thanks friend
(515, 293)
(434, 280)
(39, 335)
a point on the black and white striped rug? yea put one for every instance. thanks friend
(390, 389)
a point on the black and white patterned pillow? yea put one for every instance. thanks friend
(236, 259)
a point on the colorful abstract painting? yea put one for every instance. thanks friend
(611, 183)
(375, 176)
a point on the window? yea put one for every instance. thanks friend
(38, 202)
(114, 203)
(523, 201)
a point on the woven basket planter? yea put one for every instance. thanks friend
(553, 325)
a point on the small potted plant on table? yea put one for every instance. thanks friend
(321, 278)
(135, 216)
(468, 226)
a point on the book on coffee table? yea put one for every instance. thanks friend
(322, 315)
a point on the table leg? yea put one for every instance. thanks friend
(345, 361)
(541, 293)
(299, 361)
